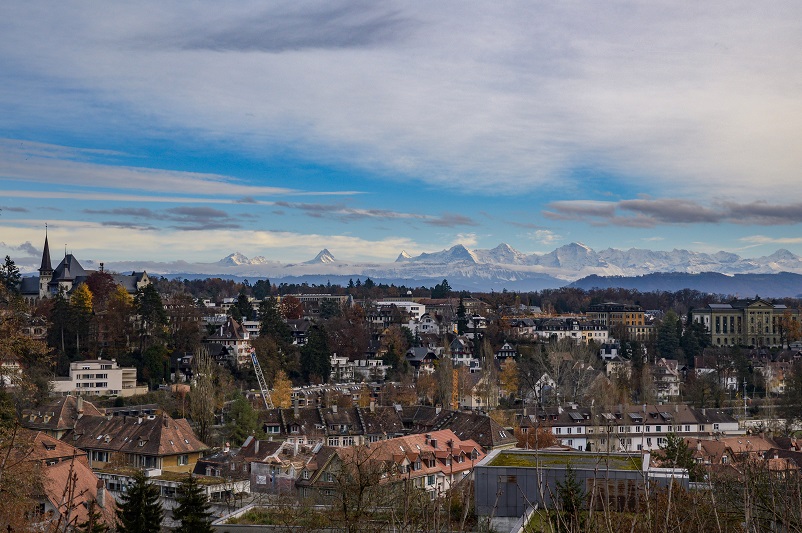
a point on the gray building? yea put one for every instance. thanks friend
(510, 482)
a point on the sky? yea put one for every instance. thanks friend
(167, 131)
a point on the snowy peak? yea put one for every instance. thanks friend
(324, 256)
(235, 259)
(455, 254)
(403, 256)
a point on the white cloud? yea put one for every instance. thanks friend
(544, 236)
(104, 243)
(495, 97)
(763, 239)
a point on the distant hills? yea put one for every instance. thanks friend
(503, 267)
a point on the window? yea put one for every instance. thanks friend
(305, 474)
(715, 427)
(430, 479)
(183, 460)
(658, 428)
(687, 428)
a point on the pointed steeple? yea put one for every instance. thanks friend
(46, 265)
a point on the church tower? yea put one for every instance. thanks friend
(46, 270)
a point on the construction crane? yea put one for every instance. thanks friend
(260, 377)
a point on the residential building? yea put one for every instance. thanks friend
(235, 339)
(629, 428)
(629, 320)
(65, 471)
(754, 322)
(59, 416)
(98, 377)
(433, 462)
(666, 378)
(147, 441)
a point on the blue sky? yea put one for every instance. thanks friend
(165, 131)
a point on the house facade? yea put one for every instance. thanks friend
(98, 377)
(629, 429)
(755, 323)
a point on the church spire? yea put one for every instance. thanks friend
(46, 265)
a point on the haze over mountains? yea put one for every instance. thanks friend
(504, 267)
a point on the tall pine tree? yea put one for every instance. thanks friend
(140, 510)
(193, 508)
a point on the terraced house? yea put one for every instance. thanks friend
(629, 428)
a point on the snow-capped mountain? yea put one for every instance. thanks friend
(238, 259)
(324, 256)
(499, 267)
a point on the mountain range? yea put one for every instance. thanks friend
(504, 267)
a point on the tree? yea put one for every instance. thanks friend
(140, 510)
(184, 317)
(441, 290)
(571, 497)
(462, 320)
(272, 323)
(244, 306)
(202, 402)
(154, 359)
(261, 289)
(667, 337)
(243, 421)
(282, 390)
(152, 316)
(81, 318)
(330, 309)
(94, 520)
(291, 308)
(315, 356)
(675, 453)
(102, 285)
(9, 275)
(115, 324)
(193, 508)
(509, 378)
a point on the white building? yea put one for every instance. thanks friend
(413, 309)
(99, 377)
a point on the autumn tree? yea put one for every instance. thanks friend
(115, 323)
(533, 438)
(281, 393)
(509, 378)
(790, 327)
(291, 308)
(348, 335)
(81, 318)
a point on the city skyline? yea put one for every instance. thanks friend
(187, 132)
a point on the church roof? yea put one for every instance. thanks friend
(69, 269)
(46, 258)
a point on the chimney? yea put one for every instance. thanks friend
(256, 447)
(372, 406)
(334, 408)
(79, 407)
(165, 421)
(226, 448)
(101, 493)
(295, 412)
(699, 445)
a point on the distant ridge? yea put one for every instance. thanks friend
(324, 256)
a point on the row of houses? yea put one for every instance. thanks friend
(630, 428)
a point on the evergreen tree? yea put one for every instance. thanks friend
(571, 496)
(675, 453)
(273, 324)
(139, 510)
(153, 317)
(261, 289)
(9, 275)
(244, 306)
(315, 355)
(462, 320)
(667, 338)
(243, 421)
(94, 520)
(193, 508)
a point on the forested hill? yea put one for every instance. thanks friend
(782, 285)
